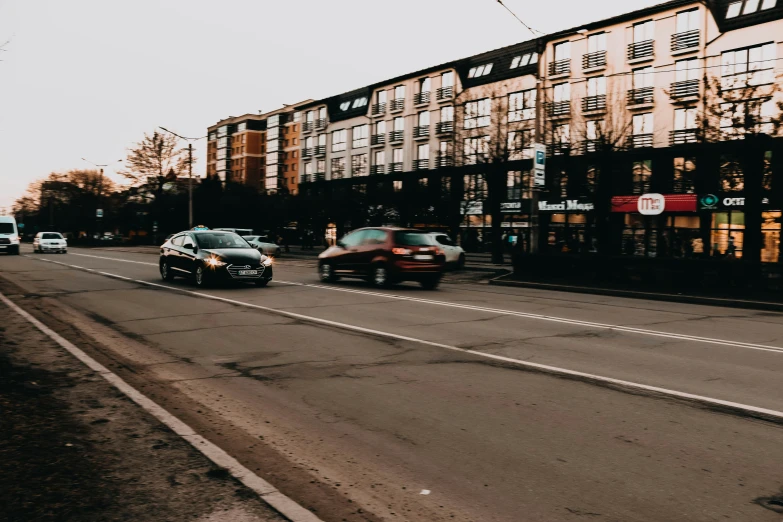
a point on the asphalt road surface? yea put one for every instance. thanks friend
(406, 404)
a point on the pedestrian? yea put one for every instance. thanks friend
(731, 251)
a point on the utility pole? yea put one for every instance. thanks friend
(190, 171)
(99, 211)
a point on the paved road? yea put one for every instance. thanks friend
(410, 405)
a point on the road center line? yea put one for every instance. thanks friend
(735, 407)
(514, 313)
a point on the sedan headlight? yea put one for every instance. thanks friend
(213, 261)
(268, 261)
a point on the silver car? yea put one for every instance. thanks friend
(50, 242)
(263, 245)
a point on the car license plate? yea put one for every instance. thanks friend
(248, 272)
(422, 257)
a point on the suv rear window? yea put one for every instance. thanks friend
(413, 239)
(6, 228)
(51, 235)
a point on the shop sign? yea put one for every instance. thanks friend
(569, 205)
(654, 204)
(539, 165)
(713, 202)
(516, 207)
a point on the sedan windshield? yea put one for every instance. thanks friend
(217, 240)
(51, 235)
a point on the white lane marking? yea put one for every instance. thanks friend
(108, 258)
(264, 489)
(526, 315)
(736, 406)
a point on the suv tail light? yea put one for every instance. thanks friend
(401, 251)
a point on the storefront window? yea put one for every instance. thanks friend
(731, 176)
(678, 237)
(728, 232)
(770, 231)
(684, 175)
(568, 234)
(591, 178)
(766, 180)
(642, 176)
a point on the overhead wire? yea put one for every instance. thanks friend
(532, 31)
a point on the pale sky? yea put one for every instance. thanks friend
(86, 78)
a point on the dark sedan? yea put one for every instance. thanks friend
(211, 256)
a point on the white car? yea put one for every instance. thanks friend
(9, 235)
(455, 256)
(263, 245)
(50, 242)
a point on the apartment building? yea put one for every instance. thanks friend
(236, 149)
(650, 88)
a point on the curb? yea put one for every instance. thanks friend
(650, 296)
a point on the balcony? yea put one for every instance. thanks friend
(444, 127)
(320, 150)
(397, 104)
(395, 167)
(396, 135)
(683, 136)
(560, 109)
(306, 153)
(685, 41)
(641, 96)
(640, 51)
(594, 60)
(377, 170)
(684, 89)
(320, 176)
(377, 139)
(421, 98)
(445, 160)
(378, 109)
(320, 123)
(308, 126)
(592, 146)
(559, 149)
(594, 103)
(560, 67)
(445, 93)
(640, 141)
(422, 131)
(421, 164)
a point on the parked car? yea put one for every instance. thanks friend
(9, 235)
(455, 256)
(210, 256)
(50, 242)
(263, 245)
(384, 256)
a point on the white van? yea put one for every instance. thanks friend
(9, 235)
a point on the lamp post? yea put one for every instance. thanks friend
(190, 171)
(100, 189)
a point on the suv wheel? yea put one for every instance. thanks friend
(326, 272)
(379, 276)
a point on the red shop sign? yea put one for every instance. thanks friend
(654, 204)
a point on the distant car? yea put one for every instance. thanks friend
(9, 235)
(50, 242)
(384, 256)
(455, 256)
(211, 256)
(263, 245)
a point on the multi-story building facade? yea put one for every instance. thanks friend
(236, 149)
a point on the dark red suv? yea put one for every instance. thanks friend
(384, 256)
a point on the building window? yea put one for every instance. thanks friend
(476, 149)
(475, 187)
(562, 51)
(399, 92)
(447, 79)
(320, 166)
(425, 85)
(338, 140)
(477, 113)
(596, 43)
(685, 118)
(732, 178)
(684, 175)
(322, 113)
(686, 70)
(380, 158)
(642, 176)
(360, 102)
(424, 119)
(561, 137)
(359, 165)
(687, 21)
(360, 136)
(524, 60)
(297, 118)
(750, 66)
(562, 92)
(643, 78)
(447, 113)
(522, 105)
(380, 127)
(480, 70)
(344, 106)
(643, 31)
(380, 97)
(642, 130)
(397, 184)
(518, 185)
(520, 144)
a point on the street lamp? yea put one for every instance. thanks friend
(190, 171)
(100, 185)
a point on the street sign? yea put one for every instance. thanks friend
(539, 165)
(99, 213)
